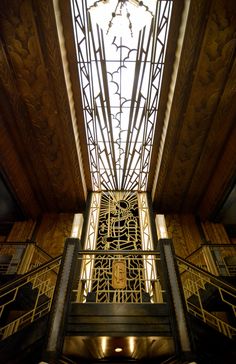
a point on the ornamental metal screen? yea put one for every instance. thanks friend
(119, 265)
(120, 70)
(117, 278)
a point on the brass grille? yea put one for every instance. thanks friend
(116, 270)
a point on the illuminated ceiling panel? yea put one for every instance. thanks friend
(120, 54)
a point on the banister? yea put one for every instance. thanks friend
(29, 274)
(212, 278)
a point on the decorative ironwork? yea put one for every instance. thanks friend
(118, 230)
(116, 269)
(218, 259)
(196, 285)
(10, 257)
(148, 290)
(120, 81)
(119, 279)
(21, 257)
(41, 284)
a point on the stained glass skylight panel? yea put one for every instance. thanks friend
(120, 54)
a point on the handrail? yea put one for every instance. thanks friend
(117, 252)
(24, 256)
(42, 250)
(196, 282)
(16, 242)
(210, 245)
(26, 243)
(39, 285)
(8, 285)
(212, 277)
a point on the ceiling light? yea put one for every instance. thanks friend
(131, 344)
(118, 15)
(104, 344)
(118, 350)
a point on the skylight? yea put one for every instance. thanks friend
(120, 54)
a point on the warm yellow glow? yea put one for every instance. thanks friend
(118, 350)
(104, 344)
(120, 24)
(131, 344)
(77, 226)
(162, 232)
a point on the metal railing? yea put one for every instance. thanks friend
(208, 298)
(38, 258)
(27, 298)
(218, 259)
(119, 277)
(20, 258)
(10, 257)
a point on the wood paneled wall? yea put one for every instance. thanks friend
(183, 230)
(21, 231)
(215, 233)
(51, 233)
(186, 235)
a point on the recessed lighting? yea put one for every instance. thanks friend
(118, 350)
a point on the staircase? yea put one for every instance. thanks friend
(25, 303)
(209, 298)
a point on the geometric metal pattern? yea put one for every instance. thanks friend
(197, 284)
(40, 283)
(119, 265)
(120, 78)
(118, 230)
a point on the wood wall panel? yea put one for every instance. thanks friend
(53, 231)
(215, 233)
(202, 115)
(183, 231)
(21, 231)
(13, 163)
(222, 179)
(41, 128)
(197, 21)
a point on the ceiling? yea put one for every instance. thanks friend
(152, 349)
(43, 151)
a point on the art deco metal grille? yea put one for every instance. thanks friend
(119, 265)
(118, 230)
(120, 78)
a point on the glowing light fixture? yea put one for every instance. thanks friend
(131, 345)
(118, 14)
(104, 345)
(118, 350)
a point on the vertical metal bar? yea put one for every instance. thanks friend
(176, 300)
(61, 300)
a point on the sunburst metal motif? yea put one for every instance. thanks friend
(120, 79)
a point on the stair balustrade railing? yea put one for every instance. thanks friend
(209, 298)
(27, 298)
(21, 257)
(218, 259)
